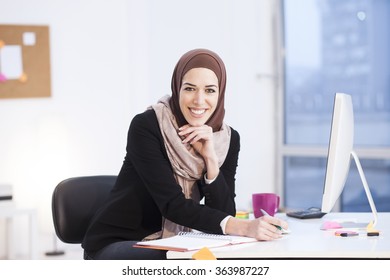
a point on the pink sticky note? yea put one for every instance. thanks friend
(3, 78)
(330, 225)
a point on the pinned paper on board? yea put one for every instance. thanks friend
(24, 61)
(11, 62)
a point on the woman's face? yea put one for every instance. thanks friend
(198, 96)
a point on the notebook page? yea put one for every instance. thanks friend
(232, 239)
(184, 243)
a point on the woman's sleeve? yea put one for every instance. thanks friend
(146, 151)
(220, 194)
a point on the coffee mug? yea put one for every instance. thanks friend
(269, 202)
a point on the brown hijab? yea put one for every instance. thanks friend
(199, 58)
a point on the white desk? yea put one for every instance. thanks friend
(10, 213)
(306, 240)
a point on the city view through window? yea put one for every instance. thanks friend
(336, 46)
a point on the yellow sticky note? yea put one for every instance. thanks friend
(371, 229)
(204, 254)
(242, 215)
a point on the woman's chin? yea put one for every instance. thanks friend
(196, 123)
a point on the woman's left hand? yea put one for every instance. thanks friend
(200, 138)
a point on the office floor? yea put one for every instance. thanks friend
(70, 252)
(47, 246)
(68, 255)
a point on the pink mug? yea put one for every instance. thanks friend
(269, 202)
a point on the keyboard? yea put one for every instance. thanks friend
(310, 213)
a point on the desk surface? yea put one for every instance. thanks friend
(307, 240)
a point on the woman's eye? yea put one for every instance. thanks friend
(210, 90)
(189, 89)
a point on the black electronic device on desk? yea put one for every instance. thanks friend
(309, 213)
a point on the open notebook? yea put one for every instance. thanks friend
(188, 241)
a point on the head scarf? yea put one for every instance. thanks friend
(199, 58)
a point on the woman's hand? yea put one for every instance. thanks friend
(263, 228)
(201, 139)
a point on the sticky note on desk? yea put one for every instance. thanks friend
(242, 215)
(330, 225)
(204, 254)
(370, 227)
(371, 231)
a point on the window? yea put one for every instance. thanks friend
(335, 46)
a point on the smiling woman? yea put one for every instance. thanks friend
(179, 151)
(185, 76)
(198, 95)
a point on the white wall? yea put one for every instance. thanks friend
(241, 32)
(109, 61)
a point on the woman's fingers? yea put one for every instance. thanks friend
(276, 222)
(191, 134)
(265, 228)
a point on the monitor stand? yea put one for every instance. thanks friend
(366, 188)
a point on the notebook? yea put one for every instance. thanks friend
(188, 241)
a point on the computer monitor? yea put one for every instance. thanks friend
(340, 151)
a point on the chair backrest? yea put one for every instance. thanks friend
(75, 201)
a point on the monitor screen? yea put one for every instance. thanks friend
(339, 150)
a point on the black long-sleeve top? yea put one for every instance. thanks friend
(146, 190)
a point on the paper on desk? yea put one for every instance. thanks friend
(338, 224)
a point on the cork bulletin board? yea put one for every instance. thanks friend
(24, 61)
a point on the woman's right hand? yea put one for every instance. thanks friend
(263, 228)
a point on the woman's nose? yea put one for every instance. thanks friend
(199, 98)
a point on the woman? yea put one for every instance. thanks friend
(179, 151)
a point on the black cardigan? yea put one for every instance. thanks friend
(146, 190)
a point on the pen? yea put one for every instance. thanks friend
(266, 214)
(346, 234)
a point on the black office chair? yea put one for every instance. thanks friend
(75, 201)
